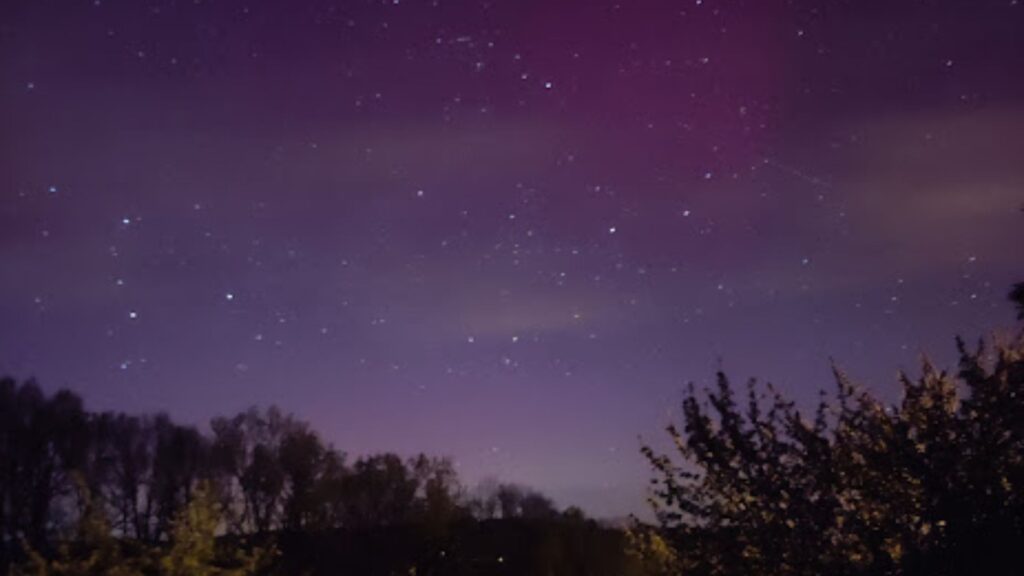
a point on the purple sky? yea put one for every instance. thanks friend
(507, 231)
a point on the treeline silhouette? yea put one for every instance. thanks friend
(933, 485)
(261, 492)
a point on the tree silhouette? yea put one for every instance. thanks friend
(378, 491)
(246, 449)
(130, 444)
(1017, 297)
(109, 493)
(649, 554)
(178, 464)
(303, 461)
(92, 550)
(438, 492)
(932, 485)
(194, 547)
(41, 439)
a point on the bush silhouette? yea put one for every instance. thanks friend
(933, 485)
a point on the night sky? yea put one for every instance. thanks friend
(506, 231)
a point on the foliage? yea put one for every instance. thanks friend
(932, 485)
(91, 550)
(86, 493)
(194, 551)
(648, 553)
(499, 500)
(42, 440)
(1017, 296)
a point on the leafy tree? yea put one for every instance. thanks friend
(108, 493)
(510, 499)
(378, 491)
(536, 506)
(303, 460)
(439, 492)
(194, 548)
(574, 514)
(91, 550)
(513, 501)
(179, 457)
(193, 534)
(932, 485)
(648, 554)
(329, 494)
(246, 450)
(131, 445)
(484, 502)
(42, 440)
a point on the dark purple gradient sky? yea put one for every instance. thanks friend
(505, 231)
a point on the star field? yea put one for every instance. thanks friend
(505, 231)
